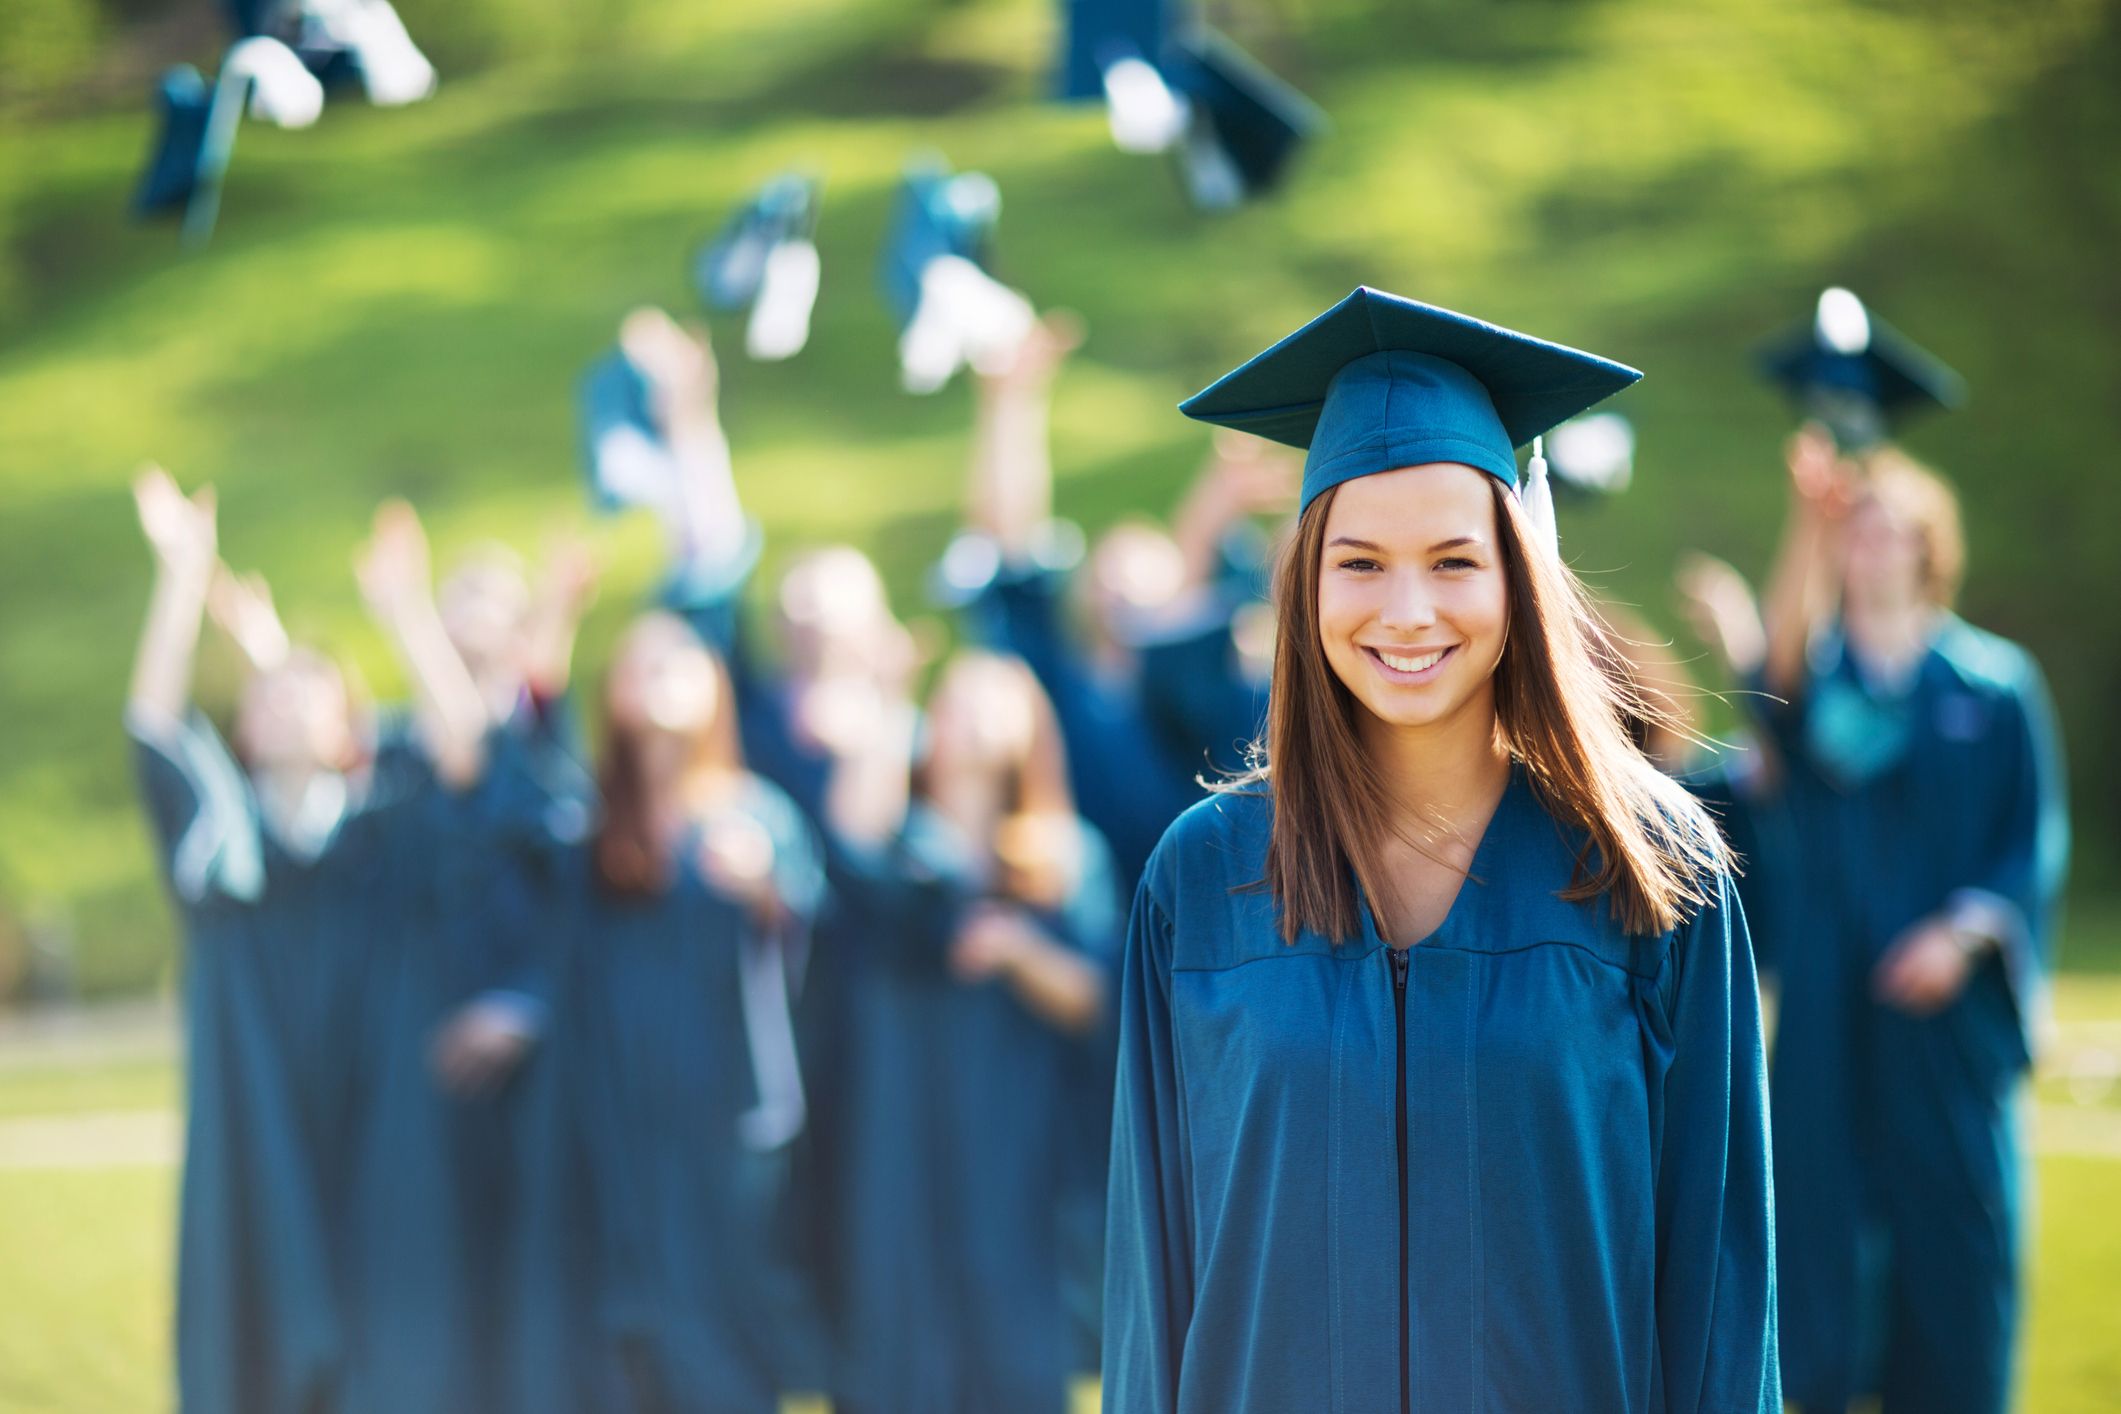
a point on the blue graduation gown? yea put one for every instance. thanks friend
(1127, 782)
(659, 1276)
(288, 989)
(1584, 1217)
(1898, 1162)
(957, 1136)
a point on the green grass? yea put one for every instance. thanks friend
(89, 1334)
(399, 302)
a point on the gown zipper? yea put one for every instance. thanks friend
(1400, 965)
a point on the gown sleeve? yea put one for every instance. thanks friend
(1716, 1317)
(1148, 1232)
(199, 805)
(2013, 894)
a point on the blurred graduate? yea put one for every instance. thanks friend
(1440, 1075)
(1922, 783)
(658, 1276)
(977, 987)
(300, 877)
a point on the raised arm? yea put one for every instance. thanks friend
(396, 582)
(565, 590)
(1244, 476)
(705, 517)
(1009, 491)
(241, 606)
(1801, 588)
(181, 532)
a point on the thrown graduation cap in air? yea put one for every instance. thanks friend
(198, 127)
(342, 40)
(1379, 382)
(950, 308)
(624, 457)
(766, 261)
(1857, 374)
(1244, 125)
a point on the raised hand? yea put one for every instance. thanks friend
(679, 364)
(392, 567)
(180, 529)
(1819, 480)
(1034, 361)
(242, 605)
(1720, 608)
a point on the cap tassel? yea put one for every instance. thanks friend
(1536, 497)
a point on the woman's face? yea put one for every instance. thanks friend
(662, 680)
(296, 717)
(1413, 605)
(1885, 554)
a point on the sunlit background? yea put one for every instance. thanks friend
(400, 300)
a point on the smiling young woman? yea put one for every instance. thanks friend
(1441, 1080)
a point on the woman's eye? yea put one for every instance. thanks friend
(1358, 565)
(1457, 562)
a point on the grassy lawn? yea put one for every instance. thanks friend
(398, 302)
(89, 1334)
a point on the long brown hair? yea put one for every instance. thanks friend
(1559, 712)
(630, 855)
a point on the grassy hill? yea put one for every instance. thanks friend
(398, 302)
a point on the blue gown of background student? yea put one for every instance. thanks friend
(1584, 1221)
(1127, 782)
(1205, 702)
(1897, 1162)
(952, 1295)
(500, 849)
(288, 991)
(661, 1271)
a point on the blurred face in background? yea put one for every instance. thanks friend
(662, 680)
(485, 607)
(1134, 571)
(1885, 554)
(980, 721)
(297, 717)
(833, 613)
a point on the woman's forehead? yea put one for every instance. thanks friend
(1415, 504)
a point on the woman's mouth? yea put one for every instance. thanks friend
(1403, 666)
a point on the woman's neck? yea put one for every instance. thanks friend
(1446, 776)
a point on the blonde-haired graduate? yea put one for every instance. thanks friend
(1440, 1078)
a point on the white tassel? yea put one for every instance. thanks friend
(780, 316)
(1139, 106)
(1536, 498)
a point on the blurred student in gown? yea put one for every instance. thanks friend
(1922, 783)
(300, 876)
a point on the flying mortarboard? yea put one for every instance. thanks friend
(1857, 374)
(1245, 124)
(1096, 34)
(1379, 382)
(624, 456)
(345, 40)
(950, 308)
(766, 261)
(198, 128)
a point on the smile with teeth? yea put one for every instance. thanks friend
(1411, 663)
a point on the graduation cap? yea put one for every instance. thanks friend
(624, 457)
(1244, 124)
(343, 41)
(197, 134)
(1096, 34)
(765, 261)
(1857, 374)
(1380, 382)
(950, 309)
